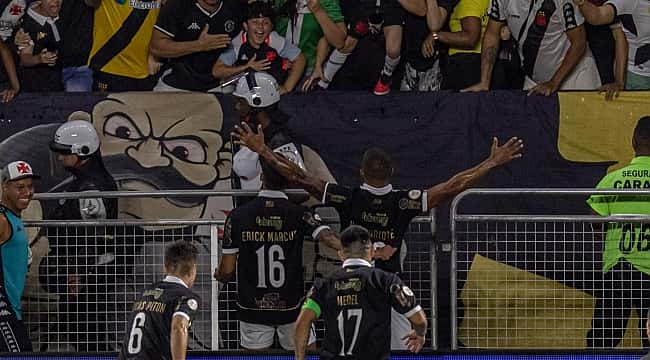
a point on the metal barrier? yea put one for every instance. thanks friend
(78, 297)
(536, 281)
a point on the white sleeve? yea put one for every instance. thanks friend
(571, 15)
(623, 7)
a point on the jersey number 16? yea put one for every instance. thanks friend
(276, 273)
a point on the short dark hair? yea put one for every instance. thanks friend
(180, 257)
(259, 9)
(377, 164)
(271, 178)
(642, 132)
(355, 237)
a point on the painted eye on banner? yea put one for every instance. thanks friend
(120, 126)
(186, 150)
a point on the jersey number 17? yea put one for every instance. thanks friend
(352, 314)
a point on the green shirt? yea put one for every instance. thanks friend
(305, 32)
(628, 241)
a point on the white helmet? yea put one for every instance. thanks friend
(259, 89)
(75, 137)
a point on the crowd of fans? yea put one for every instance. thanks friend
(426, 45)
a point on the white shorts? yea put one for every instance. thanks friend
(258, 336)
(400, 326)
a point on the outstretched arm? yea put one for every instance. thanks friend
(287, 168)
(499, 155)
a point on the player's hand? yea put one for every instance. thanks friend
(611, 90)
(413, 342)
(385, 252)
(261, 65)
(22, 40)
(246, 137)
(428, 46)
(8, 95)
(316, 75)
(47, 57)
(507, 152)
(477, 88)
(207, 42)
(545, 89)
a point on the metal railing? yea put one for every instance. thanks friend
(537, 282)
(79, 292)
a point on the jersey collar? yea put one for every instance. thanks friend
(274, 194)
(356, 262)
(377, 191)
(206, 12)
(40, 18)
(641, 160)
(175, 280)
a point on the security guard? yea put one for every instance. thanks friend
(263, 240)
(626, 258)
(355, 303)
(17, 191)
(81, 264)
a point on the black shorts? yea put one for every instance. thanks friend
(359, 13)
(13, 333)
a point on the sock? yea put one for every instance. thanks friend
(332, 66)
(389, 65)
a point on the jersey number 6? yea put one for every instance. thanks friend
(135, 341)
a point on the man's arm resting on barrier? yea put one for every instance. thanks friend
(178, 337)
(499, 155)
(489, 51)
(287, 168)
(227, 268)
(416, 338)
(303, 328)
(596, 15)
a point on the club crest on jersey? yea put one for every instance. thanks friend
(192, 304)
(229, 26)
(403, 204)
(415, 194)
(540, 18)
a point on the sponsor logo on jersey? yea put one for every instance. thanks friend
(194, 26)
(192, 304)
(415, 194)
(144, 5)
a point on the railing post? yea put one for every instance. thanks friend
(214, 308)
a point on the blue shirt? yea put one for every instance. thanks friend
(14, 254)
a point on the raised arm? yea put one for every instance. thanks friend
(499, 155)
(287, 168)
(330, 239)
(178, 337)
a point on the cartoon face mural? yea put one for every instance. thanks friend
(159, 141)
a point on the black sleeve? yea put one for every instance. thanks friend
(168, 17)
(188, 306)
(231, 237)
(311, 224)
(317, 294)
(412, 202)
(401, 296)
(336, 196)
